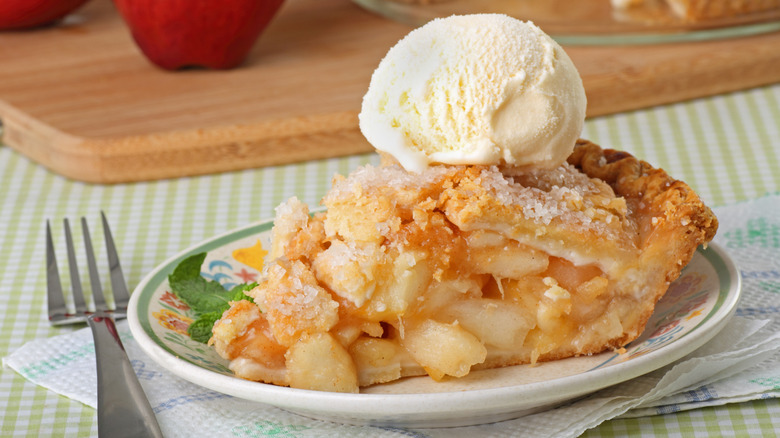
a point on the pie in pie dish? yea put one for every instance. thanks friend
(463, 267)
(698, 10)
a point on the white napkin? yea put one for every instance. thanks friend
(741, 363)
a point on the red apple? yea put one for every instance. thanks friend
(24, 14)
(202, 33)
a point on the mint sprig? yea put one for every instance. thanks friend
(207, 298)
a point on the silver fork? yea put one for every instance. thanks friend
(123, 409)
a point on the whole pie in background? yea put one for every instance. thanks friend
(698, 10)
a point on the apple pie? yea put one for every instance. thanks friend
(697, 10)
(460, 268)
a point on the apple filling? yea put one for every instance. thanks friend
(461, 268)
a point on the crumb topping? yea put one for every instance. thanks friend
(543, 196)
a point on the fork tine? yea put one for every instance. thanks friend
(55, 298)
(94, 278)
(75, 278)
(118, 285)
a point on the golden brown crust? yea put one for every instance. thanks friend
(673, 221)
(673, 208)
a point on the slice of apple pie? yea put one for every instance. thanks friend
(463, 267)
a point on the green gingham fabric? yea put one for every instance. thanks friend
(726, 147)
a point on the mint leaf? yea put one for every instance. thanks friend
(189, 267)
(201, 295)
(239, 292)
(207, 298)
(200, 329)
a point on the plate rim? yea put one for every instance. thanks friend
(343, 407)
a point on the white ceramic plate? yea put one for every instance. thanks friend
(694, 309)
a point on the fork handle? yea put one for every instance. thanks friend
(123, 409)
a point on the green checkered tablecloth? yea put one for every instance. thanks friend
(725, 147)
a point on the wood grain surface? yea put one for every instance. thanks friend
(80, 98)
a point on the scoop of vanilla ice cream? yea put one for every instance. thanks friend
(475, 89)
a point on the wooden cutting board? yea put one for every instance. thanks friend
(80, 99)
